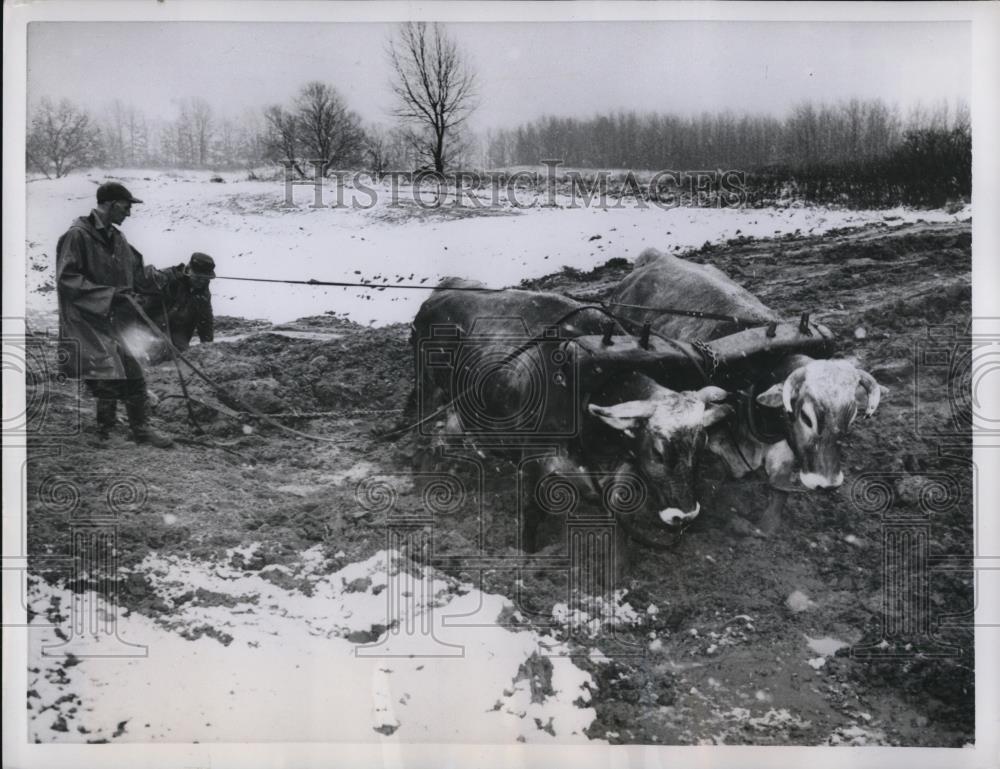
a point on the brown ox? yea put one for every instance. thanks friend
(631, 427)
(818, 398)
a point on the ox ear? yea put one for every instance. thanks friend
(623, 416)
(771, 397)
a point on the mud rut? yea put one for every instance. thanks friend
(725, 658)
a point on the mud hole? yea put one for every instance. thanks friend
(712, 647)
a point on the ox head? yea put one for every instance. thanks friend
(668, 430)
(821, 400)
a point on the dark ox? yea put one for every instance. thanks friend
(819, 398)
(631, 427)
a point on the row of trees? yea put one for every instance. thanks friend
(855, 130)
(929, 167)
(432, 81)
(318, 123)
(62, 137)
(859, 151)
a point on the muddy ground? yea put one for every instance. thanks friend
(720, 652)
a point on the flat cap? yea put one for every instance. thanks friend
(114, 191)
(201, 264)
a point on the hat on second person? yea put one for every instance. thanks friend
(110, 191)
(201, 264)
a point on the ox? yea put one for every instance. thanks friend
(817, 399)
(631, 426)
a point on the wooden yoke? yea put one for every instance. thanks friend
(727, 362)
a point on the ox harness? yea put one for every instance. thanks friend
(734, 362)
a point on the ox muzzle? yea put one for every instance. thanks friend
(675, 517)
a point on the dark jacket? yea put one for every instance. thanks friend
(93, 259)
(187, 311)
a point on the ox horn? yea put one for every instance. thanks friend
(791, 387)
(712, 394)
(873, 389)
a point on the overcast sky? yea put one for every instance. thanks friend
(524, 70)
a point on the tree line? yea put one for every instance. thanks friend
(826, 133)
(434, 85)
(856, 151)
(861, 153)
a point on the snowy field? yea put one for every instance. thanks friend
(244, 226)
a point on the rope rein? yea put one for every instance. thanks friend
(708, 359)
(349, 284)
(701, 314)
(515, 353)
(217, 388)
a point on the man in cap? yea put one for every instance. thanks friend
(97, 274)
(187, 304)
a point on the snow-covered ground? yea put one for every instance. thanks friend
(245, 227)
(235, 657)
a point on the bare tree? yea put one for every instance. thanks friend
(281, 137)
(201, 129)
(61, 138)
(377, 150)
(136, 138)
(114, 133)
(191, 133)
(327, 129)
(251, 139)
(180, 137)
(318, 127)
(434, 86)
(225, 148)
(125, 133)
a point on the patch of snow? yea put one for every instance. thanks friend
(238, 658)
(296, 489)
(772, 719)
(799, 602)
(857, 736)
(541, 716)
(827, 646)
(602, 614)
(356, 472)
(778, 718)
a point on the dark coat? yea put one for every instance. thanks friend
(93, 259)
(187, 311)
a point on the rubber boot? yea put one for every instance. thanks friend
(107, 418)
(138, 419)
